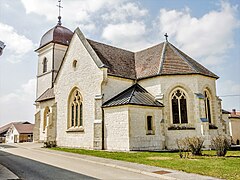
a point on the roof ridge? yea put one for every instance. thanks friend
(162, 57)
(183, 58)
(119, 94)
(134, 88)
(109, 45)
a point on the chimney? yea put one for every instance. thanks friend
(233, 111)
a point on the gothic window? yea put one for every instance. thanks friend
(207, 106)
(179, 107)
(75, 109)
(45, 115)
(44, 65)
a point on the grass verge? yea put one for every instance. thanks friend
(209, 164)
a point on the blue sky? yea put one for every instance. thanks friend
(208, 31)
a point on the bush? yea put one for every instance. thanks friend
(193, 144)
(50, 144)
(183, 147)
(221, 144)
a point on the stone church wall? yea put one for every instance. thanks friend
(191, 84)
(87, 77)
(40, 117)
(114, 86)
(116, 128)
(44, 79)
(139, 140)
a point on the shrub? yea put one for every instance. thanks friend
(221, 144)
(193, 144)
(49, 144)
(183, 148)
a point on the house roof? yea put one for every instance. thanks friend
(162, 59)
(5, 128)
(48, 94)
(235, 115)
(134, 95)
(225, 111)
(24, 128)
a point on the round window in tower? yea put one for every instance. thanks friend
(74, 64)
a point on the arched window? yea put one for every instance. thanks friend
(44, 65)
(75, 109)
(179, 107)
(207, 106)
(45, 114)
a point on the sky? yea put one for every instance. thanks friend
(206, 30)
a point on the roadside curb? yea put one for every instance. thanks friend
(6, 174)
(181, 174)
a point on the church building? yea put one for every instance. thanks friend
(96, 96)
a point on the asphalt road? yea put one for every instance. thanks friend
(33, 170)
(30, 162)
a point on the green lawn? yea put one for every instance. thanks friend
(227, 167)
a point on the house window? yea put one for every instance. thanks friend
(207, 106)
(149, 124)
(44, 65)
(45, 116)
(179, 107)
(75, 110)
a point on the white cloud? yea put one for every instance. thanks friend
(228, 87)
(17, 45)
(125, 11)
(229, 92)
(18, 103)
(77, 10)
(207, 38)
(126, 35)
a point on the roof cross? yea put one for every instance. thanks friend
(166, 36)
(59, 12)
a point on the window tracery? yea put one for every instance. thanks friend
(179, 107)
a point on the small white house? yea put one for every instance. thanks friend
(18, 133)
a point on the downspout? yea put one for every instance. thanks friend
(102, 129)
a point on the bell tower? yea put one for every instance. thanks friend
(53, 46)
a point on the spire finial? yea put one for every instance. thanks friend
(59, 12)
(166, 36)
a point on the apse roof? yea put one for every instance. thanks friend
(161, 59)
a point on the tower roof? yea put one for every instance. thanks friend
(58, 34)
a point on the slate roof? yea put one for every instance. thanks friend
(48, 94)
(162, 59)
(120, 62)
(134, 95)
(24, 128)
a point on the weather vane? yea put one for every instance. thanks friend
(59, 12)
(166, 36)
